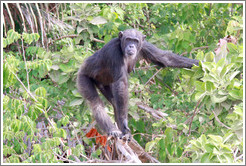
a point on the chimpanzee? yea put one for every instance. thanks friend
(108, 69)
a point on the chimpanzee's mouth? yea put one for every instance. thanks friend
(130, 53)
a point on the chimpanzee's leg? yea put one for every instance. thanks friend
(120, 93)
(87, 88)
(107, 92)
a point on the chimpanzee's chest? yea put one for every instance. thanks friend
(105, 76)
(130, 63)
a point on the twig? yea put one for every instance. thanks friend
(10, 15)
(75, 133)
(22, 17)
(216, 117)
(157, 114)
(173, 91)
(97, 40)
(239, 157)
(25, 87)
(76, 158)
(153, 76)
(63, 159)
(195, 112)
(41, 24)
(146, 67)
(104, 161)
(90, 126)
(29, 15)
(34, 17)
(194, 49)
(24, 57)
(37, 101)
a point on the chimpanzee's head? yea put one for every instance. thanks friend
(131, 42)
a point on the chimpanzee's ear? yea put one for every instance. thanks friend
(144, 37)
(120, 34)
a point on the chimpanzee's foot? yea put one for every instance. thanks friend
(126, 132)
(115, 133)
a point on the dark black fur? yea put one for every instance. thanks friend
(108, 70)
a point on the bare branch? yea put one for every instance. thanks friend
(10, 15)
(194, 113)
(156, 114)
(153, 76)
(216, 117)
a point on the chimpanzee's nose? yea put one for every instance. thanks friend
(131, 46)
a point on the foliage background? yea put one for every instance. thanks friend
(46, 120)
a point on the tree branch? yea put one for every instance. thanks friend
(153, 76)
(195, 112)
(216, 117)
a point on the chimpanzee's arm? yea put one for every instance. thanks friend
(165, 58)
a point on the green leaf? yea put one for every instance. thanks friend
(29, 38)
(200, 56)
(36, 148)
(232, 48)
(76, 102)
(200, 86)
(12, 36)
(233, 75)
(205, 158)
(40, 91)
(209, 147)
(169, 135)
(98, 152)
(68, 67)
(216, 138)
(220, 63)
(161, 144)
(107, 38)
(169, 148)
(179, 151)
(5, 43)
(236, 94)
(98, 20)
(63, 133)
(199, 95)
(209, 57)
(43, 70)
(150, 145)
(209, 86)
(228, 157)
(216, 98)
(162, 155)
(140, 126)
(226, 69)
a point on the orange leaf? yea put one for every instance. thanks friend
(109, 149)
(99, 138)
(93, 132)
(103, 140)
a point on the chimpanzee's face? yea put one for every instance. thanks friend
(131, 45)
(131, 42)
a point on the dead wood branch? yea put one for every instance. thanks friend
(127, 151)
(156, 114)
(143, 156)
